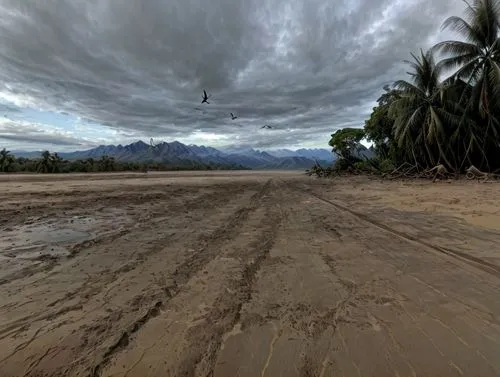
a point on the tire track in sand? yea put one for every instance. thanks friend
(486, 266)
(207, 249)
(228, 312)
(211, 198)
(200, 206)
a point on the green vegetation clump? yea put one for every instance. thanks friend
(53, 163)
(427, 123)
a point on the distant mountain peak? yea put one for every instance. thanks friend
(176, 152)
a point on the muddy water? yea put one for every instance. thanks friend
(44, 240)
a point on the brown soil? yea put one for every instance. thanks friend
(247, 274)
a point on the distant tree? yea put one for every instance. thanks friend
(107, 163)
(49, 163)
(6, 160)
(89, 164)
(53, 163)
(56, 162)
(45, 163)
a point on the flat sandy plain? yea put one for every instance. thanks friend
(264, 274)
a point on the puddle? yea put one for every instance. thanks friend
(49, 237)
(43, 240)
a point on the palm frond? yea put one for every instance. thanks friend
(456, 48)
(465, 64)
(487, 20)
(494, 82)
(408, 88)
(462, 27)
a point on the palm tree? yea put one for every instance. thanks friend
(6, 160)
(477, 61)
(421, 118)
(56, 162)
(45, 163)
(107, 163)
(89, 164)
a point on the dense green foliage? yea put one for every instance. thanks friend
(427, 121)
(378, 129)
(346, 143)
(52, 163)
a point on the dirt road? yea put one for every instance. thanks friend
(247, 274)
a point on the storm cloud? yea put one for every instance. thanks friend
(306, 66)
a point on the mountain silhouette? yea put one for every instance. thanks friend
(175, 151)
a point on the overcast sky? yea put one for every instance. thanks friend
(78, 73)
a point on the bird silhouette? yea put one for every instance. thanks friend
(266, 127)
(233, 117)
(205, 97)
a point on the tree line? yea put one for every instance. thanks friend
(447, 112)
(53, 163)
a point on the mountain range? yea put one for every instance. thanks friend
(178, 152)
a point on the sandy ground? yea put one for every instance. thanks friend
(247, 274)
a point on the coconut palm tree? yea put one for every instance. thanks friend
(422, 121)
(476, 60)
(44, 164)
(56, 162)
(107, 163)
(6, 160)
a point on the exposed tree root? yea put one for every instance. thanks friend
(408, 171)
(475, 173)
(319, 171)
(440, 171)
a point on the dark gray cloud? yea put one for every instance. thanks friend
(309, 66)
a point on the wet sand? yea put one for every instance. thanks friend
(247, 274)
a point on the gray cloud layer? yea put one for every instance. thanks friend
(26, 133)
(307, 65)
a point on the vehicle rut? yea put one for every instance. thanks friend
(206, 249)
(486, 266)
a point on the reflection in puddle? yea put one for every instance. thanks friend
(42, 241)
(36, 238)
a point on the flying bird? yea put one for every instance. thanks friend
(233, 117)
(205, 97)
(266, 127)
